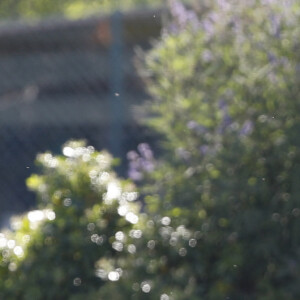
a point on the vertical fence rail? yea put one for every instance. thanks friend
(116, 85)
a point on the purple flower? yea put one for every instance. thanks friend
(222, 104)
(196, 127)
(192, 124)
(145, 151)
(224, 4)
(207, 56)
(204, 149)
(275, 22)
(132, 155)
(183, 153)
(208, 27)
(147, 165)
(140, 163)
(247, 128)
(182, 17)
(272, 58)
(135, 175)
(227, 121)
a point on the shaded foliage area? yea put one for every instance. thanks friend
(33, 9)
(227, 100)
(221, 209)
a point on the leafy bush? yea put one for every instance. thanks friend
(73, 244)
(225, 200)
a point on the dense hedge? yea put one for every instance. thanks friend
(226, 90)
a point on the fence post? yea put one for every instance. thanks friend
(116, 106)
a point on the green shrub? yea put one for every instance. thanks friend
(73, 244)
(225, 199)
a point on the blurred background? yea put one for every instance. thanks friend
(217, 214)
(67, 71)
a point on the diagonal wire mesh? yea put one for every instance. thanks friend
(67, 79)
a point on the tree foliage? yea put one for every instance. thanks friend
(33, 9)
(226, 89)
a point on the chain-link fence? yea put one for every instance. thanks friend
(67, 79)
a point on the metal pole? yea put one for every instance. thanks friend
(116, 85)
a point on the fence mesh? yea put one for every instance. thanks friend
(67, 79)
